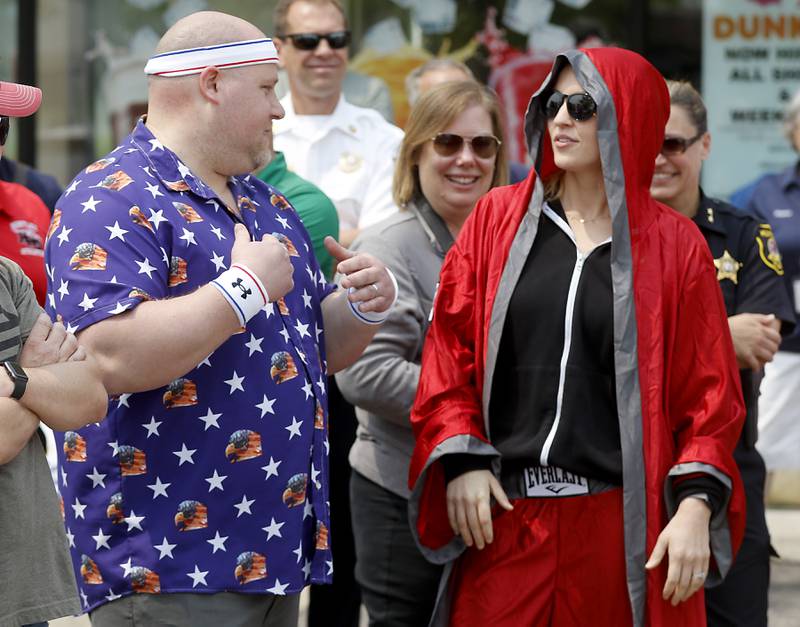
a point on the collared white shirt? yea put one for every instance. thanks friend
(350, 155)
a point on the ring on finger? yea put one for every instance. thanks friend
(375, 287)
(700, 574)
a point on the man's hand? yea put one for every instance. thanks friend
(49, 343)
(755, 338)
(685, 540)
(469, 507)
(268, 258)
(366, 278)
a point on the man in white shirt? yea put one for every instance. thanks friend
(347, 151)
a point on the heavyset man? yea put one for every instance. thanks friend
(194, 284)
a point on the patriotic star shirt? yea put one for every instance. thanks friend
(217, 481)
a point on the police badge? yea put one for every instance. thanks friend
(727, 267)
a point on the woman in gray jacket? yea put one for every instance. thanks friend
(451, 155)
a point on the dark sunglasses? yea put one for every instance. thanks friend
(449, 144)
(309, 41)
(580, 107)
(4, 126)
(677, 145)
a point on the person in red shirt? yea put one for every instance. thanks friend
(24, 220)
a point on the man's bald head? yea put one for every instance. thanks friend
(206, 28)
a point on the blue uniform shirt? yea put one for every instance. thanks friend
(775, 198)
(217, 481)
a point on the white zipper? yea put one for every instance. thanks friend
(568, 319)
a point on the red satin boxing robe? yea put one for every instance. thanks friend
(678, 391)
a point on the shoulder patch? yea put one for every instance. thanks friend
(768, 249)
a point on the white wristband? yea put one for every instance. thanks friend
(373, 317)
(243, 290)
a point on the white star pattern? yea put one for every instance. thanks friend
(87, 303)
(152, 427)
(285, 333)
(268, 309)
(243, 506)
(314, 475)
(147, 171)
(114, 448)
(214, 204)
(78, 508)
(156, 218)
(185, 454)
(218, 232)
(70, 328)
(70, 538)
(254, 345)
(51, 298)
(134, 522)
(165, 549)
(188, 237)
(266, 406)
(159, 488)
(310, 272)
(63, 288)
(112, 597)
(63, 235)
(218, 542)
(123, 400)
(329, 564)
(198, 576)
(153, 189)
(299, 551)
(306, 568)
(218, 261)
(145, 267)
(116, 232)
(272, 468)
(284, 222)
(120, 308)
(126, 566)
(64, 477)
(210, 419)
(279, 588)
(215, 481)
(308, 510)
(90, 205)
(273, 529)
(155, 144)
(306, 299)
(321, 385)
(72, 187)
(84, 599)
(97, 478)
(235, 383)
(184, 171)
(307, 389)
(294, 428)
(302, 329)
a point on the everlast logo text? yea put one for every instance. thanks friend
(550, 481)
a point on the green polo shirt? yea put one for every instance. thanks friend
(315, 209)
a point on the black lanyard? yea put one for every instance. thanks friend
(434, 224)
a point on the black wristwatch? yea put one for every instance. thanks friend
(18, 378)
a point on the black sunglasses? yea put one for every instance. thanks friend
(449, 144)
(678, 145)
(4, 126)
(309, 41)
(580, 107)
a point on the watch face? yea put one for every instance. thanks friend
(14, 370)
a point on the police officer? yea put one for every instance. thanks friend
(749, 271)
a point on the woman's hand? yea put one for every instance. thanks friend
(469, 508)
(686, 541)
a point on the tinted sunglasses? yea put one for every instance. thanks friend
(580, 107)
(677, 145)
(4, 126)
(449, 144)
(309, 41)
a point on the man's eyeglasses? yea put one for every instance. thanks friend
(678, 145)
(309, 41)
(449, 144)
(580, 107)
(4, 126)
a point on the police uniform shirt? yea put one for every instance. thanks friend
(349, 155)
(750, 275)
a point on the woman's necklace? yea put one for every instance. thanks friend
(588, 220)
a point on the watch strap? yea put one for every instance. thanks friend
(18, 378)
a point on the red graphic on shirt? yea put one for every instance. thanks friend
(88, 256)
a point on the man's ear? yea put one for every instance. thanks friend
(209, 84)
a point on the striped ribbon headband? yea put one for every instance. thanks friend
(222, 56)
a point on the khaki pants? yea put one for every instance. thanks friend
(199, 610)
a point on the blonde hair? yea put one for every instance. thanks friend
(432, 113)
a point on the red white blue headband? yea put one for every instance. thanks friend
(222, 56)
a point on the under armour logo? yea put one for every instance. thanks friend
(246, 291)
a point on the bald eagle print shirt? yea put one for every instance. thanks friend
(217, 481)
